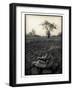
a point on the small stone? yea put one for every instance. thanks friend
(46, 71)
(34, 71)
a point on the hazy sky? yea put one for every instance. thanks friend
(34, 21)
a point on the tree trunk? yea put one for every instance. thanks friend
(48, 34)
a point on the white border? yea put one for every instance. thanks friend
(20, 78)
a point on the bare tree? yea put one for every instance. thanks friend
(49, 27)
(33, 32)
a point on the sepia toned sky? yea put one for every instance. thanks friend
(35, 21)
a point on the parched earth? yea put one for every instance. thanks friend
(43, 56)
